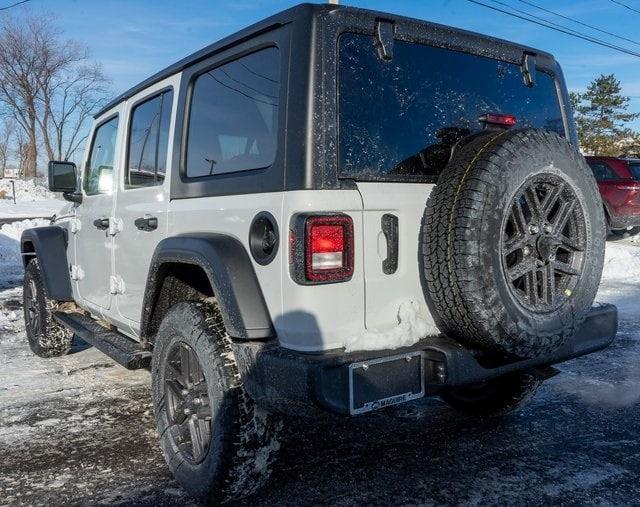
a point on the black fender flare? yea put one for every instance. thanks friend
(49, 245)
(230, 272)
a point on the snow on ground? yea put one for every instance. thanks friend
(621, 276)
(10, 258)
(32, 200)
(79, 429)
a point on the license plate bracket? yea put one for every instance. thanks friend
(385, 381)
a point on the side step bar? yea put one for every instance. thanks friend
(117, 346)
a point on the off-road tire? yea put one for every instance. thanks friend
(464, 276)
(494, 397)
(244, 438)
(47, 338)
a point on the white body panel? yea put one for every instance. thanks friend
(306, 318)
(134, 248)
(93, 246)
(386, 292)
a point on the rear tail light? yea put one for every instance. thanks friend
(322, 248)
(503, 120)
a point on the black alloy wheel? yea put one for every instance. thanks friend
(543, 241)
(32, 314)
(187, 403)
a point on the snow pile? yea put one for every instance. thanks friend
(411, 328)
(10, 259)
(621, 277)
(26, 190)
(32, 200)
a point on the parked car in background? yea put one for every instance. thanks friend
(619, 184)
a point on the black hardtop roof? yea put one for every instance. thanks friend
(280, 19)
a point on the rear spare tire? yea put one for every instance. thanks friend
(513, 242)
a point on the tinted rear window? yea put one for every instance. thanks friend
(635, 170)
(400, 118)
(233, 125)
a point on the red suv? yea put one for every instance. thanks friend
(619, 184)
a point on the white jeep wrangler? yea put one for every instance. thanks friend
(333, 209)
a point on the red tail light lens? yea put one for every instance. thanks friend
(504, 120)
(328, 249)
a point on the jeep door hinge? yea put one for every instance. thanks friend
(115, 226)
(116, 285)
(75, 225)
(76, 272)
(384, 38)
(528, 68)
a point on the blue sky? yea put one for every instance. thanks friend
(135, 38)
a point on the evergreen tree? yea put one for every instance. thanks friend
(601, 115)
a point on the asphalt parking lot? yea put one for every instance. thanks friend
(79, 430)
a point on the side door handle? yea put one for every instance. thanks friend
(389, 225)
(101, 223)
(146, 223)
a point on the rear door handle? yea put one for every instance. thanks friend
(389, 225)
(146, 223)
(101, 223)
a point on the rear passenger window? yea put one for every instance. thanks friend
(602, 171)
(233, 121)
(148, 142)
(635, 170)
(98, 174)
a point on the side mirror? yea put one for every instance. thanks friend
(63, 178)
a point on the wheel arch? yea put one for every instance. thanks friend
(53, 240)
(198, 266)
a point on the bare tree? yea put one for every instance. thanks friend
(70, 100)
(20, 77)
(21, 152)
(49, 86)
(6, 134)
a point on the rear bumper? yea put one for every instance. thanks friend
(624, 221)
(291, 382)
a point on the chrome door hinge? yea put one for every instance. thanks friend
(115, 226)
(116, 285)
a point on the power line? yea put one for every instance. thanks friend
(569, 31)
(549, 11)
(625, 5)
(14, 5)
(563, 27)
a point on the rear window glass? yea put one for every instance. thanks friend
(233, 123)
(398, 119)
(635, 170)
(149, 141)
(602, 172)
